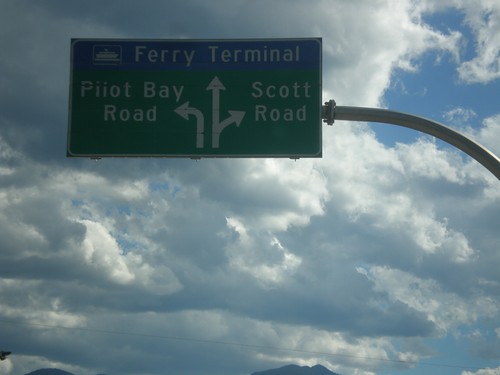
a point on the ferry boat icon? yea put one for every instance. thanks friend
(107, 55)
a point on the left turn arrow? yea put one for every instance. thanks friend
(185, 111)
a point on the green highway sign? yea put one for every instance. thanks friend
(195, 98)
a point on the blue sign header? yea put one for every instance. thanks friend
(196, 55)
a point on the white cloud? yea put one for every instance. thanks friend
(483, 17)
(488, 371)
(459, 115)
(485, 133)
(373, 52)
(447, 310)
(299, 194)
(384, 198)
(489, 134)
(37, 309)
(100, 250)
(264, 258)
(6, 366)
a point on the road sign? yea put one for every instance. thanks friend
(195, 98)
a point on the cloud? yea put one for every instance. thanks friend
(489, 371)
(459, 115)
(426, 296)
(485, 23)
(482, 17)
(484, 133)
(269, 262)
(352, 260)
(488, 133)
(6, 366)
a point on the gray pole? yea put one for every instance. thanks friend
(331, 112)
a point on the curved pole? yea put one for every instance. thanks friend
(490, 161)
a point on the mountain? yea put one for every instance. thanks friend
(297, 370)
(285, 370)
(49, 371)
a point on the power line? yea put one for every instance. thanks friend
(239, 344)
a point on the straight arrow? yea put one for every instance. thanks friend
(215, 86)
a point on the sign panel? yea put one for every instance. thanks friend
(195, 98)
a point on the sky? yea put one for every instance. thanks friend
(380, 258)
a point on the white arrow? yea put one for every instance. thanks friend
(234, 116)
(216, 86)
(185, 111)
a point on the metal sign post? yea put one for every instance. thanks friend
(332, 112)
